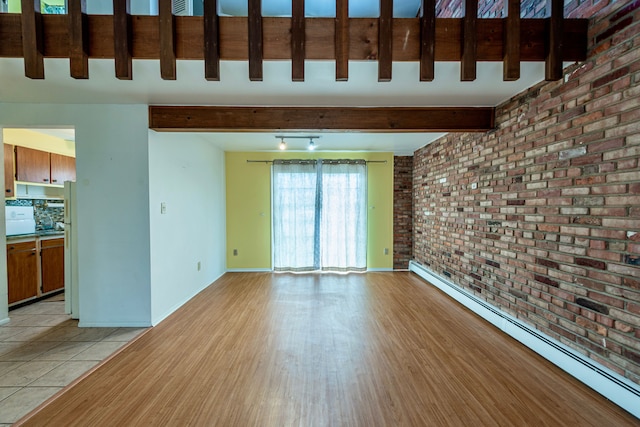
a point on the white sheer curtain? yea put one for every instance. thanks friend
(320, 215)
(295, 220)
(343, 217)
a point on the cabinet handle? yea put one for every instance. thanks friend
(45, 180)
(54, 180)
(8, 190)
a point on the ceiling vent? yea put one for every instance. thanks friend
(183, 7)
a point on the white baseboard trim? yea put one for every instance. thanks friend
(373, 270)
(610, 384)
(4, 321)
(249, 270)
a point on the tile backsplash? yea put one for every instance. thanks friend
(45, 216)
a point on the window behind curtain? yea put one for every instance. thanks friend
(320, 215)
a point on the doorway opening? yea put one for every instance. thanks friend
(40, 174)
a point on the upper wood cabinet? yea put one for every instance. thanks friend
(9, 177)
(43, 167)
(33, 165)
(63, 168)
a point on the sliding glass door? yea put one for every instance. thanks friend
(320, 215)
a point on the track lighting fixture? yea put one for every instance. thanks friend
(283, 144)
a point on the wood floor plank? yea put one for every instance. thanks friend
(374, 349)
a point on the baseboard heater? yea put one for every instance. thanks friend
(608, 383)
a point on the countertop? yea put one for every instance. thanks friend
(42, 234)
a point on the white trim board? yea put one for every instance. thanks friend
(608, 383)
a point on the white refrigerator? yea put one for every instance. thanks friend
(71, 302)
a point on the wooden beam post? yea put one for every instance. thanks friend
(255, 40)
(297, 40)
(269, 119)
(511, 35)
(78, 39)
(469, 41)
(342, 40)
(167, 40)
(122, 39)
(555, 42)
(32, 39)
(385, 40)
(427, 40)
(211, 41)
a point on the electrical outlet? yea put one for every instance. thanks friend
(199, 265)
(386, 251)
(235, 252)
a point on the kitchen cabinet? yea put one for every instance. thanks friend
(63, 168)
(43, 167)
(52, 264)
(33, 165)
(9, 176)
(22, 268)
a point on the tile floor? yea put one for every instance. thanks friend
(42, 350)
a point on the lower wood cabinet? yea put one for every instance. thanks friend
(22, 268)
(52, 264)
(34, 268)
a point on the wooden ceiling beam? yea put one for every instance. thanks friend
(297, 40)
(320, 38)
(269, 119)
(469, 57)
(32, 49)
(511, 34)
(78, 39)
(211, 41)
(167, 30)
(255, 40)
(555, 41)
(341, 40)
(427, 40)
(385, 41)
(122, 37)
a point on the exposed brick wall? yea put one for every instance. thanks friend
(402, 211)
(495, 8)
(551, 234)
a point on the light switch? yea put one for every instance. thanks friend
(163, 208)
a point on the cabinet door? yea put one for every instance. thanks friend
(52, 263)
(63, 168)
(22, 271)
(9, 171)
(32, 165)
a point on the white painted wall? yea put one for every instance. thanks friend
(138, 7)
(113, 206)
(4, 293)
(187, 174)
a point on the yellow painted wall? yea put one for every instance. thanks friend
(30, 139)
(249, 206)
(14, 5)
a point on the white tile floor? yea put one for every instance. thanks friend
(42, 350)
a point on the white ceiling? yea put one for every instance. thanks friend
(318, 89)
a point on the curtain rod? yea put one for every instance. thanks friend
(310, 160)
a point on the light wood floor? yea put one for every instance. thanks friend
(378, 349)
